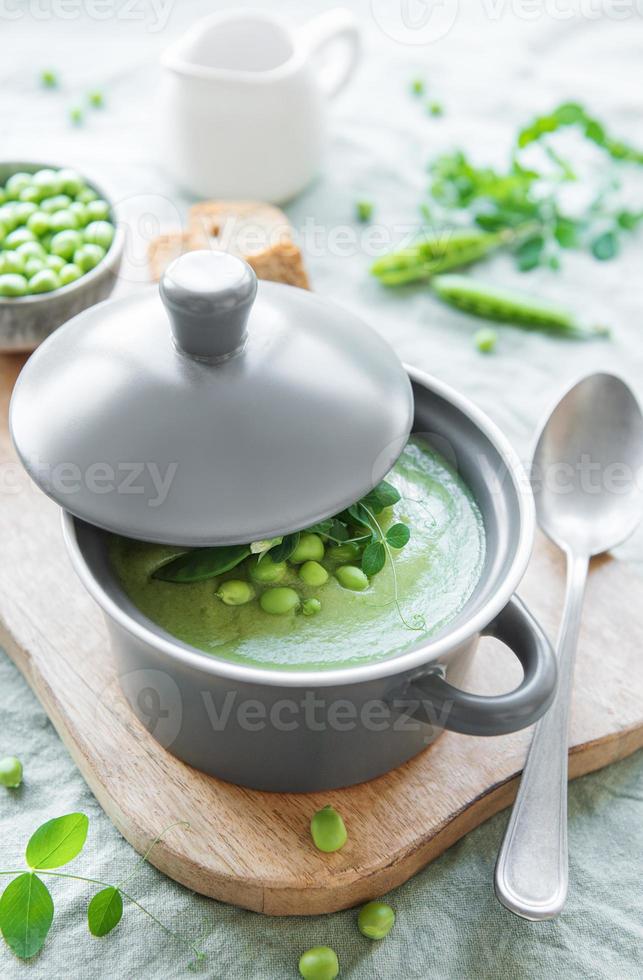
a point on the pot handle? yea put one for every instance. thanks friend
(475, 714)
(333, 39)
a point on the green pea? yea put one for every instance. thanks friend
(345, 552)
(80, 212)
(309, 548)
(319, 963)
(16, 184)
(12, 262)
(351, 577)
(235, 592)
(38, 223)
(70, 181)
(32, 266)
(312, 573)
(68, 273)
(86, 195)
(55, 203)
(65, 243)
(31, 250)
(55, 262)
(10, 772)
(76, 115)
(63, 220)
(328, 830)
(279, 601)
(44, 281)
(375, 920)
(88, 256)
(9, 217)
(96, 99)
(12, 284)
(31, 194)
(310, 607)
(23, 211)
(485, 339)
(266, 570)
(98, 210)
(19, 237)
(99, 233)
(46, 182)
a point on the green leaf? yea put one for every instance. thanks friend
(398, 535)
(26, 914)
(606, 246)
(381, 496)
(373, 558)
(57, 841)
(261, 547)
(202, 563)
(629, 220)
(322, 527)
(565, 232)
(105, 911)
(529, 253)
(283, 551)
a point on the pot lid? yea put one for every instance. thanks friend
(212, 411)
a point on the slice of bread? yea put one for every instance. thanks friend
(258, 233)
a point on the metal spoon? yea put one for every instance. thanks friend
(587, 479)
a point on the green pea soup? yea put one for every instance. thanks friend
(410, 600)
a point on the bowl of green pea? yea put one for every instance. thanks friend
(60, 250)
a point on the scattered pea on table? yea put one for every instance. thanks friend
(319, 963)
(375, 920)
(328, 830)
(10, 772)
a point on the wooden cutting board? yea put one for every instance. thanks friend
(253, 849)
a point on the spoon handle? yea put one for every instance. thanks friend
(531, 871)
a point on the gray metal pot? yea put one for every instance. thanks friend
(302, 731)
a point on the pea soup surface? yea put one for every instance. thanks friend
(436, 573)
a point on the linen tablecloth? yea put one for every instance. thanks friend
(492, 65)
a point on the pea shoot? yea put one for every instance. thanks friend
(27, 906)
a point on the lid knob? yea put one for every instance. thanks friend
(208, 296)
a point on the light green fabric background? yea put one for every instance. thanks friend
(494, 65)
(449, 925)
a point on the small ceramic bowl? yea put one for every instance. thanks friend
(25, 321)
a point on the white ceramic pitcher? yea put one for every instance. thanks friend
(244, 101)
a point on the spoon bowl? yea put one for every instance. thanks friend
(587, 473)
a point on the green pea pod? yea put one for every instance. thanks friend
(439, 253)
(510, 306)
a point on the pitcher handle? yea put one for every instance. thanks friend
(333, 38)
